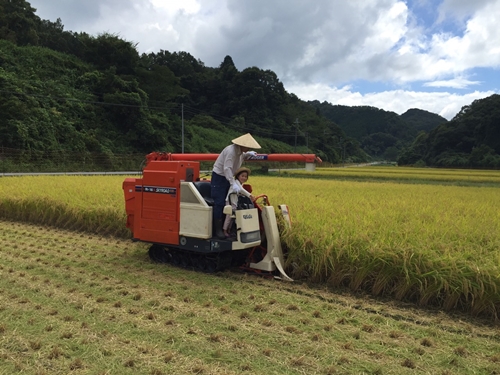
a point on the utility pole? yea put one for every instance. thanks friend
(182, 127)
(296, 127)
(343, 159)
(342, 148)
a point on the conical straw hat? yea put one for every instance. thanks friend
(246, 141)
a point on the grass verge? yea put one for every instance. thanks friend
(83, 304)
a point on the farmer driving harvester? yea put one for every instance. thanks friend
(228, 162)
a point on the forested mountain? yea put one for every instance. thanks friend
(65, 93)
(470, 139)
(421, 120)
(381, 134)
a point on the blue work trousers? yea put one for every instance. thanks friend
(219, 188)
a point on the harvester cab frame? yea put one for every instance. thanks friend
(171, 208)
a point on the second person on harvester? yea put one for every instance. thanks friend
(225, 167)
(240, 178)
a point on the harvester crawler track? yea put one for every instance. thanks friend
(208, 263)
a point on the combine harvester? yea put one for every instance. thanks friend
(171, 208)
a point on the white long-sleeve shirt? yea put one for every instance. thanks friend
(229, 160)
(241, 192)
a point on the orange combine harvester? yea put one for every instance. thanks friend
(171, 208)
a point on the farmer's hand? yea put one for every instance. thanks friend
(236, 188)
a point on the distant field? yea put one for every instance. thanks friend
(415, 175)
(427, 243)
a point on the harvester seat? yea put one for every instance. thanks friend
(205, 190)
(244, 203)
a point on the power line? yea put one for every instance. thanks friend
(84, 101)
(167, 106)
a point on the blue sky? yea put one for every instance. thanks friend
(436, 55)
(435, 20)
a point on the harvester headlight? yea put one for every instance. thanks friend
(250, 236)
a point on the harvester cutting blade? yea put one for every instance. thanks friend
(284, 276)
(274, 258)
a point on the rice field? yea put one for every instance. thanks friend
(430, 244)
(404, 174)
(427, 243)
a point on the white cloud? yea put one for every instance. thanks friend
(461, 9)
(456, 83)
(174, 6)
(323, 43)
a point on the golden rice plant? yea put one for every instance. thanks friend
(428, 243)
(87, 203)
(452, 176)
(431, 244)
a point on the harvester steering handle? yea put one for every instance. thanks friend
(266, 201)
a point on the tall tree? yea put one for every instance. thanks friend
(108, 50)
(18, 22)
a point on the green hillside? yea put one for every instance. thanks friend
(470, 139)
(421, 120)
(381, 134)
